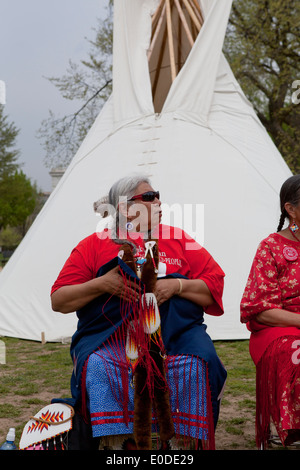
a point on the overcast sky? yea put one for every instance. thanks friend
(37, 40)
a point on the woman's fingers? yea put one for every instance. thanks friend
(121, 286)
(165, 289)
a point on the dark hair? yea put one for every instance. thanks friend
(290, 192)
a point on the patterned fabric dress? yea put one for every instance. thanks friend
(274, 283)
(186, 377)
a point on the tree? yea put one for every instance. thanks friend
(91, 86)
(17, 199)
(8, 154)
(17, 195)
(262, 45)
(10, 237)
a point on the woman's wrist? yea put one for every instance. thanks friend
(179, 287)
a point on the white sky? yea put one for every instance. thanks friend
(37, 40)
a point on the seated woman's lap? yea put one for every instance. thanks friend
(110, 393)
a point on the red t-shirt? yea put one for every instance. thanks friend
(178, 253)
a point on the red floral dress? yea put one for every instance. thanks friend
(274, 283)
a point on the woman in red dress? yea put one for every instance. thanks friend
(271, 306)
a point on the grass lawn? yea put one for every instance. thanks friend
(34, 373)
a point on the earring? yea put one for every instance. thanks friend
(129, 226)
(294, 227)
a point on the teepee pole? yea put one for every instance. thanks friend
(170, 40)
(192, 15)
(159, 62)
(198, 9)
(189, 21)
(156, 32)
(157, 13)
(179, 43)
(184, 22)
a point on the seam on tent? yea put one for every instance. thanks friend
(247, 159)
(71, 168)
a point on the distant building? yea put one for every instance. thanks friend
(56, 174)
(2, 92)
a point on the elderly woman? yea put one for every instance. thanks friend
(271, 308)
(189, 282)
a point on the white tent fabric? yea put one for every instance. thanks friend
(206, 152)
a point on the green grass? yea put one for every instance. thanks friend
(35, 373)
(236, 426)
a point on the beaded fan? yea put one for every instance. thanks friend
(49, 423)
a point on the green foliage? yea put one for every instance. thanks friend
(8, 155)
(17, 195)
(10, 237)
(263, 48)
(17, 199)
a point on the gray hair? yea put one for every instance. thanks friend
(123, 188)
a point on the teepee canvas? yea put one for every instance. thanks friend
(177, 114)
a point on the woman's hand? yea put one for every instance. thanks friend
(165, 289)
(116, 284)
(73, 297)
(191, 289)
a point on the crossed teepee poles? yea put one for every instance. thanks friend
(175, 27)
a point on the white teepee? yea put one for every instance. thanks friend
(191, 129)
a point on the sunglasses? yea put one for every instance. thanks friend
(149, 196)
